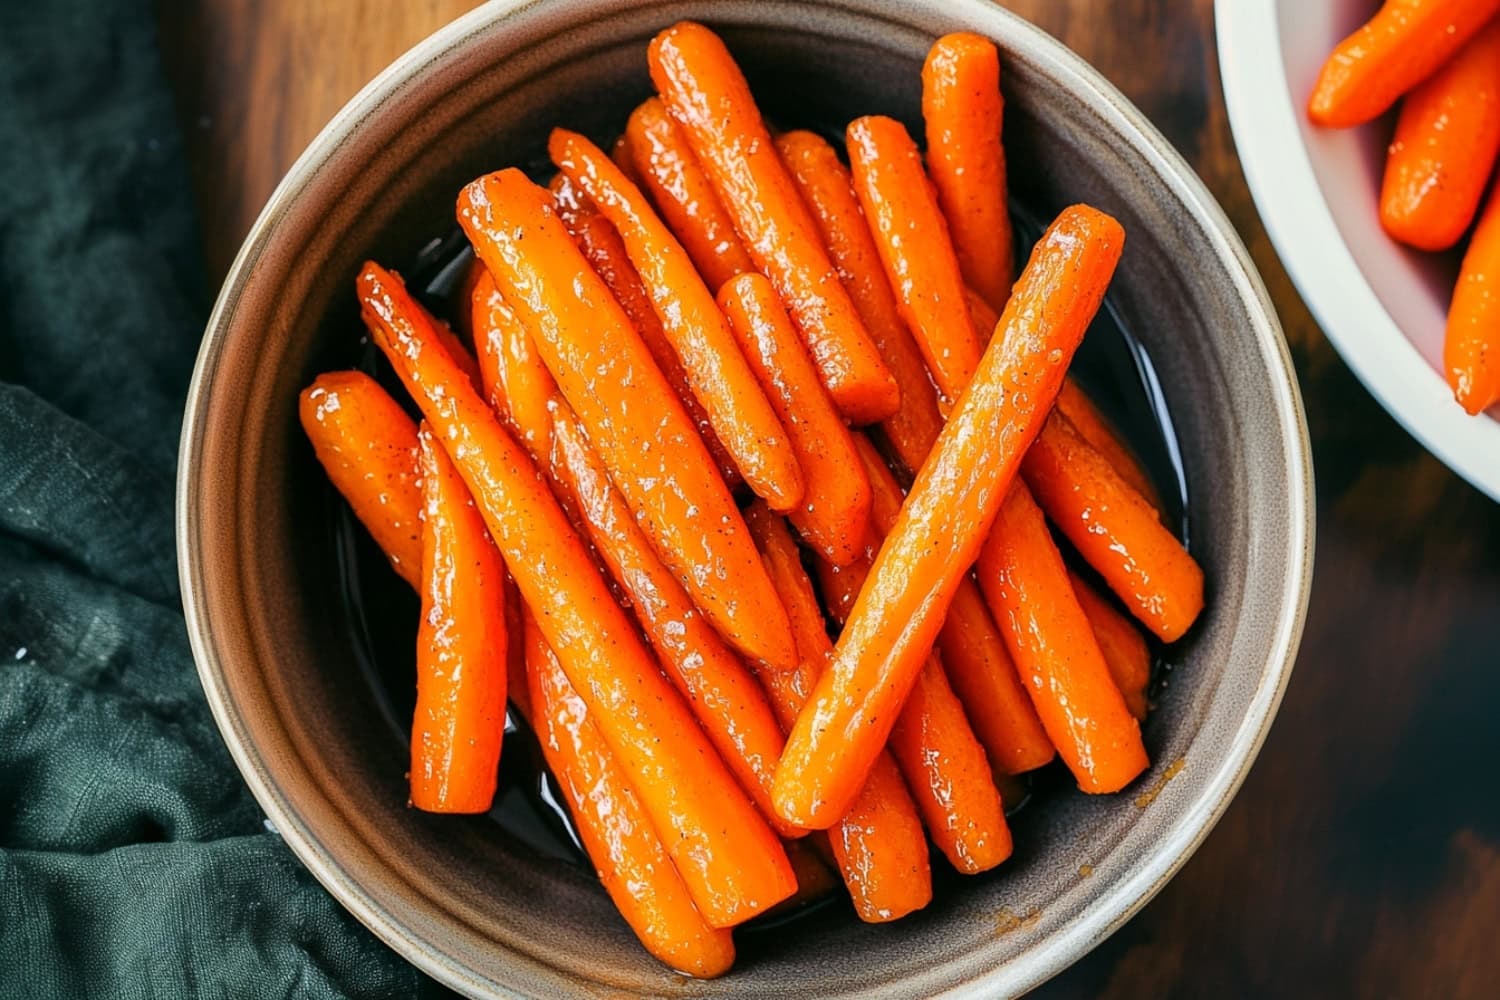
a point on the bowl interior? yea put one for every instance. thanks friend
(491, 913)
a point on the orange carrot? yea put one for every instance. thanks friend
(616, 829)
(721, 378)
(706, 93)
(981, 314)
(1115, 529)
(963, 109)
(1097, 430)
(461, 356)
(368, 446)
(624, 156)
(945, 518)
(1394, 51)
(1471, 348)
(914, 246)
(513, 378)
(634, 421)
(1124, 648)
(464, 296)
(733, 864)
(683, 195)
(1022, 575)
(461, 647)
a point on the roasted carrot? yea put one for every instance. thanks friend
(915, 249)
(1023, 576)
(721, 378)
(465, 295)
(706, 94)
(730, 859)
(1471, 348)
(1124, 648)
(461, 647)
(945, 518)
(1115, 529)
(963, 111)
(981, 314)
(1391, 53)
(368, 446)
(461, 356)
(681, 191)
(633, 419)
(617, 831)
(624, 157)
(1097, 430)
(511, 371)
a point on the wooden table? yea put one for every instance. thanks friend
(1363, 855)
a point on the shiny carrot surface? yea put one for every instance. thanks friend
(1096, 429)
(511, 371)
(1471, 346)
(1124, 648)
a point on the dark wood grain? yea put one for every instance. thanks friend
(1363, 855)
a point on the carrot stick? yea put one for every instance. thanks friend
(461, 356)
(1096, 429)
(915, 249)
(640, 430)
(461, 647)
(731, 861)
(719, 375)
(1022, 575)
(945, 518)
(617, 831)
(834, 514)
(624, 156)
(368, 446)
(981, 314)
(512, 376)
(683, 195)
(706, 93)
(963, 111)
(1471, 348)
(1115, 529)
(1395, 50)
(1124, 648)
(464, 296)
(828, 191)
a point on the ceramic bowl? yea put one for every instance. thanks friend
(485, 912)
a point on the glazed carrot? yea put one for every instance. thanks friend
(1097, 430)
(465, 295)
(1115, 529)
(1124, 648)
(962, 109)
(461, 356)
(825, 186)
(624, 157)
(721, 378)
(706, 93)
(368, 446)
(915, 249)
(1444, 150)
(634, 421)
(683, 195)
(1022, 575)
(835, 509)
(945, 518)
(515, 652)
(514, 379)
(981, 314)
(461, 647)
(1471, 348)
(1394, 51)
(618, 833)
(731, 861)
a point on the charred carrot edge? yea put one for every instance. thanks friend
(705, 92)
(963, 112)
(1124, 648)
(1023, 576)
(617, 832)
(1471, 347)
(632, 417)
(512, 376)
(683, 195)
(461, 647)
(721, 378)
(945, 518)
(368, 446)
(834, 514)
(1096, 429)
(1115, 529)
(878, 843)
(1395, 50)
(733, 864)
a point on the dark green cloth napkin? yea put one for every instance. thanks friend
(133, 860)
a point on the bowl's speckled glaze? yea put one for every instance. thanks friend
(459, 898)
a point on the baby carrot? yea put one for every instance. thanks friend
(1096, 429)
(1471, 348)
(683, 195)
(461, 647)
(915, 248)
(624, 156)
(733, 864)
(511, 371)
(1394, 51)
(461, 318)
(720, 377)
(642, 433)
(368, 446)
(617, 832)
(1444, 150)
(981, 314)
(1124, 648)
(706, 93)
(945, 518)
(1023, 576)
(963, 109)
(1115, 529)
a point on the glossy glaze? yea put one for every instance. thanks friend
(1124, 648)
(1074, 403)
(513, 377)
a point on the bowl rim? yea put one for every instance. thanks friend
(1116, 905)
(1264, 119)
